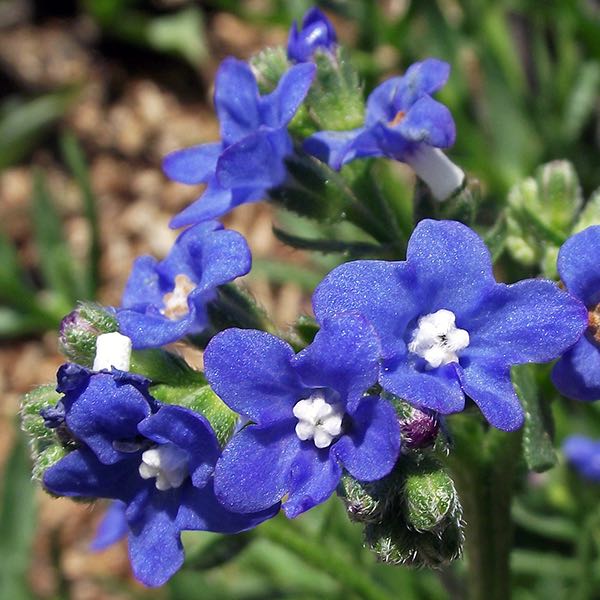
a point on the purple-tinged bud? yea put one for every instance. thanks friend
(419, 428)
(79, 330)
(317, 33)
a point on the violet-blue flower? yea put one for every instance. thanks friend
(316, 33)
(309, 417)
(447, 328)
(165, 301)
(583, 454)
(249, 159)
(577, 373)
(402, 122)
(158, 460)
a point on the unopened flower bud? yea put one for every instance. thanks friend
(363, 504)
(419, 428)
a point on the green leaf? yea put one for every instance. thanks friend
(582, 100)
(538, 448)
(495, 238)
(282, 272)
(218, 552)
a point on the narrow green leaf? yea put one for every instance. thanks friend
(582, 100)
(495, 238)
(218, 552)
(282, 272)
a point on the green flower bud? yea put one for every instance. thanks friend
(79, 330)
(33, 402)
(363, 504)
(268, 66)
(590, 215)
(48, 457)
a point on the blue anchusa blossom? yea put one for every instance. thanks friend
(316, 33)
(157, 460)
(577, 373)
(447, 328)
(249, 158)
(583, 454)
(166, 300)
(113, 527)
(309, 417)
(402, 122)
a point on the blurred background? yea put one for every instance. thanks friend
(93, 93)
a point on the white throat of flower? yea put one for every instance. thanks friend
(440, 174)
(168, 463)
(318, 419)
(176, 302)
(437, 339)
(112, 350)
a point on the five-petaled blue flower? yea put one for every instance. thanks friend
(447, 328)
(583, 453)
(402, 122)
(249, 159)
(317, 33)
(577, 373)
(165, 301)
(158, 460)
(309, 417)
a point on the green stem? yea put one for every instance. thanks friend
(349, 575)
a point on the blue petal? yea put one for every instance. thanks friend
(530, 321)
(251, 372)
(189, 431)
(452, 266)
(280, 106)
(583, 454)
(155, 548)
(214, 203)
(192, 165)
(381, 291)
(253, 472)
(335, 147)
(71, 377)
(577, 373)
(344, 356)
(236, 100)
(490, 387)
(370, 449)
(143, 285)
(578, 265)
(380, 103)
(313, 478)
(317, 32)
(437, 389)
(430, 122)
(106, 412)
(425, 77)
(112, 528)
(256, 160)
(201, 511)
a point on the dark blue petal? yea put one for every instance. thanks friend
(381, 291)
(189, 431)
(579, 265)
(214, 202)
(280, 106)
(105, 412)
(192, 165)
(236, 100)
(251, 372)
(201, 511)
(334, 147)
(428, 121)
(437, 389)
(317, 33)
(256, 160)
(577, 373)
(112, 528)
(155, 548)
(370, 448)
(452, 266)
(253, 472)
(313, 478)
(71, 377)
(529, 321)
(490, 387)
(344, 356)
(143, 286)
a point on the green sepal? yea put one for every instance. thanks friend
(306, 328)
(538, 448)
(364, 501)
(590, 215)
(47, 458)
(463, 205)
(33, 402)
(268, 66)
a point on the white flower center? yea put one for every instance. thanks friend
(437, 339)
(318, 420)
(176, 302)
(112, 350)
(168, 463)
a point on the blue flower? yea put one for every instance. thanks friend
(113, 526)
(309, 416)
(583, 454)
(317, 33)
(577, 373)
(447, 328)
(165, 301)
(158, 460)
(249, 158)
(402, 122)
